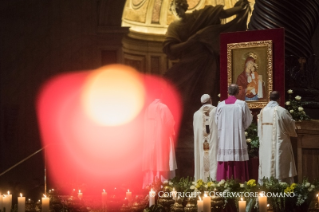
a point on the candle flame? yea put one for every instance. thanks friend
(241, 199)
(20, 194)
(103, 190)
(173, 189)
(4, 195)
(74, 189)
(8, 192)
(317, 195)
(128, 190)
(45, 196)
(79, 191)
(52, 189)
(200, 199)
(205, 195)
(261, 194)
(267, 205)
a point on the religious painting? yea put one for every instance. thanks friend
(250, 66)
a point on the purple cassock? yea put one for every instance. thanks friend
(233, 163)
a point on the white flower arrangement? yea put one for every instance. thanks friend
(291, 111)
(300, 108)
(219, 95)
(298, 98)
(248, 140)
(288, 103)
(246, 133)
(290, 91)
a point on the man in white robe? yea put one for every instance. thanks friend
(158, 147)
(275, 127)
(232, 117)
(205, 141)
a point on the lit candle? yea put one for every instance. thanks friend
(21, 203)
(4, 202)
(200, 205)
(9, 201)
(129, 197)
(1, 200)
(104, 196)
(45, 204)
(207, 203)
(151, 198)
(262, 202)
(242, 205)
(318, 199)
(80, 195)
(174, 194)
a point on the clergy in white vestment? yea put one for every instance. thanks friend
(275, 127)
(205, 140)
(233, 117)
(158, 146)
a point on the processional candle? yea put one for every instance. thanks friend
(151, 198)
(200, 205)
(262, 199)
(9, 201)
(207, 203)
(129, 197)
(45, 204)
(242, 205)
(21, 203)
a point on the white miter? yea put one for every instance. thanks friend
(205, 98)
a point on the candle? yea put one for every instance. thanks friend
(45, 204)
(200, 205)
(207, 203)
(318, 199)
(4, 202)
(104, 196)
(1, 205)
(9, 201)
(242, 205)
(262, 202)
(80, 195)
(129, 197)
(151, 198)
(174, 194)
(21, 203)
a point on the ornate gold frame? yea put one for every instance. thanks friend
(268, 45)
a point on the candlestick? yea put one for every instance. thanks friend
(174, 194)
(262, 202)
(21, 203)
(242, 205)
(207, 203)
(200, 205)
(45, 204)
(80, 195)
(104, 196)
(151, 198)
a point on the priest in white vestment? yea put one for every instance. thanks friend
(205, 140)
(233, 117)
(275, 127)
(158, 146)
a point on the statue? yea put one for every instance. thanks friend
(194, 40)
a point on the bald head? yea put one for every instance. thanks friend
(233, 89)
(274, 96)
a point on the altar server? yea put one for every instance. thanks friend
(158, 148)
(205, 140)
(232, 117)
(275, 127)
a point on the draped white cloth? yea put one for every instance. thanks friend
(205, 161)
(275, 127)
(158, 146)
(232, 120)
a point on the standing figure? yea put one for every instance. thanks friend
(205, 140)
(233, 117)
(158, 147)
(275, 127)
(194, 40)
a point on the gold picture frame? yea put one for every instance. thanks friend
(250, 66)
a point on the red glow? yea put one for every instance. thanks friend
(83, 151)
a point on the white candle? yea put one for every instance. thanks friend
(151, 198)
(200, 205)
(262, 202)
(104, 196)
(45, 204)
(4, 202)
(242, 205)
(1, 204)
(174, 194)
(21, 203)
(207, 203)
(80, 195)
(9, 201)
(129, 197)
